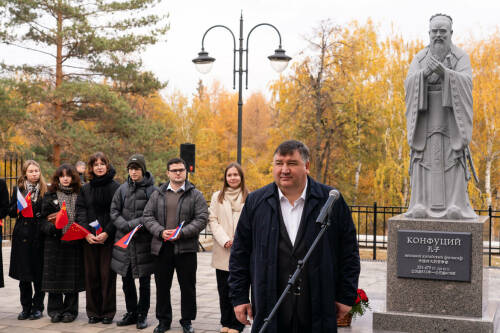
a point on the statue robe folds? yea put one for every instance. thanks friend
(439, 123)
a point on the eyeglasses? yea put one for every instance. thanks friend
(177, 170)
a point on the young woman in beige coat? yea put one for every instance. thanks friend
(225, 209)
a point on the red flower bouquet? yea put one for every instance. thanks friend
(361, 305)
(358, 309)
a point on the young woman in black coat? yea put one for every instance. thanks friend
(26, 257)
(63, 260)
(93, 203)
(4, 210)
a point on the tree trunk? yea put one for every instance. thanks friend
(356, 182)
(56, 149)
(326, 158)
(405, 191)
(487, 171)
(319, 108)
(405, 188)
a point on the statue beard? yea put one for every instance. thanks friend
(440, 49)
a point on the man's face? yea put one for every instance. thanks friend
(440, 32)
(177, 173)
(80, 168)
(135, 173)
(290, 171)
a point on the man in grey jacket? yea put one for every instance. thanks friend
(176, 202)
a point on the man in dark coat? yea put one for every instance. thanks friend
(4, 210)
(276, 228)
(134, 261)
(177, 201)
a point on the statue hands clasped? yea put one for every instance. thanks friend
(434, 66)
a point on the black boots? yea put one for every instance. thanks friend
(128, 319)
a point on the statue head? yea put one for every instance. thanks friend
(440, 32)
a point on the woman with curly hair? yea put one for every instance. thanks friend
(63, 260)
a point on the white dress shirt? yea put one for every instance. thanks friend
(183, 188)
(292, 213)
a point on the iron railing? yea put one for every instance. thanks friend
(10, 169)
(371, 228)
(370, 220)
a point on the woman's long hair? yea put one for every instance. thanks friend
(21, 182)
(69, 170)
(243, 188)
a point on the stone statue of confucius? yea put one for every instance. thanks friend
(439, 123)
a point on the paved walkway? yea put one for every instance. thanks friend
(372, 280)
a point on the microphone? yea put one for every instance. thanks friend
(333, 196)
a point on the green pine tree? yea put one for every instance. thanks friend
(84, 95)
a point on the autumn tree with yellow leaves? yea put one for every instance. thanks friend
(485, 61)
(344, 97)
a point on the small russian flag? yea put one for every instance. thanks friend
(24, 204)
(125, 240)
(21, 201)
(176, 232)
(96, 226)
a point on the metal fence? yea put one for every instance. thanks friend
(371, 228)
(370, 220)
(10, 169)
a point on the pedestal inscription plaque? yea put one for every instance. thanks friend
(434, 255)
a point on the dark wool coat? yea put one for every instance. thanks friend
(126, 213)
(4, 210)
(333, 268)
(94, 203)
(63, 270)
(4, 199)
(192, 209)
(26, 257)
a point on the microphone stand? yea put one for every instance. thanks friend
(325, 223)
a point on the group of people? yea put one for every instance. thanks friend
(258, 239)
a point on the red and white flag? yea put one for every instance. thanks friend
(125, 240)
(96, 226)
(176, 232)
(24, 204)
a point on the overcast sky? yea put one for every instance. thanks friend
(189, 19)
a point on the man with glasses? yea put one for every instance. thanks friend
(177, 202)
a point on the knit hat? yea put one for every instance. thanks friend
(138, 160)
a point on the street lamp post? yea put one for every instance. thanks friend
(279, 61)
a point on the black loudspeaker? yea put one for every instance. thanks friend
(188, 152)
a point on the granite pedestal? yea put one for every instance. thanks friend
(433, 304)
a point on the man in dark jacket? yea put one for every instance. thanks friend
(80, 168)
(134, 261)
(276, 228)
(176, 202)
